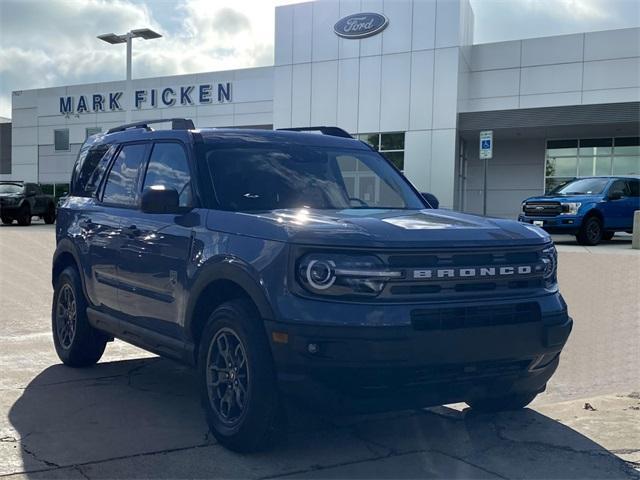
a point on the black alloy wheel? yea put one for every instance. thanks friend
(66, 316)
(50, 216)
(77, 343)
(24, 217)
(237, 379)
(227, 376)
(590, 232)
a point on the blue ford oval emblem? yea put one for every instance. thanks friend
(360, 25)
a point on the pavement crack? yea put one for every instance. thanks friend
(499, 430)
(78, 469)
(37, 458)
(55, 466)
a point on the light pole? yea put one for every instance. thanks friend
(127, 38)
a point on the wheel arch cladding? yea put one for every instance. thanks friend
(66, 256)
(220, 283)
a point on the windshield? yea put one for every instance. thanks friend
(271, 177)
(10, 188)
(583, 186)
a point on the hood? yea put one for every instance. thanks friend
(11, 195)
(566, 198)
(379, 228)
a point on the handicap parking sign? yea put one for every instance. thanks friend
(486, 144)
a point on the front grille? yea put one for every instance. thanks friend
(411, 287)
(542, 209)
(474, 316)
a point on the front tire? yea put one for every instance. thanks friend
(7, 220)
(502, 404)
(237, 379)
(77, 343)
(24, 218)
(590, 232)
(50, 216)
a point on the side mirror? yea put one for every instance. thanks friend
(616, 195)
(431, 199)
(159, 199)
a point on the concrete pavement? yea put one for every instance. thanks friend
(135, 415)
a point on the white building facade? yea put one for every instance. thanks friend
(416, 88)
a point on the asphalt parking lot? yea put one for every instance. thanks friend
(135, 415)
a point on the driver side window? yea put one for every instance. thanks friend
(619, 187)
(168, 166)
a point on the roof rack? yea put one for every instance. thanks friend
(176, 124)
(333, 131)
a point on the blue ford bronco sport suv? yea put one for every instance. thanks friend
(591, 208)
(298, 265)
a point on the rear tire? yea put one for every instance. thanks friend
(590, 231)
(237, 379)
(502, 404)
(7, 220)
(24, 218)
(77, 343)
(50, 216)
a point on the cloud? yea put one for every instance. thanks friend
(500, 20)
(45, 43)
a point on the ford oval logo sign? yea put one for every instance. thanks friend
(360, 25)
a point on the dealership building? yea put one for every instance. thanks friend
(403, 75)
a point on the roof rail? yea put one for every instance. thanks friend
(176, 124)
(333, 131)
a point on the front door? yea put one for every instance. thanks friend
(154, 256)
(117, 200)
(618, 212)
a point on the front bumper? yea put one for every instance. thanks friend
(568, 224)
(10, 209)
(375, 368)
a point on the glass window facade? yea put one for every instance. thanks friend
(91, 131)
(361, 180)
(391, 145)
(61, 139)
(567, 159)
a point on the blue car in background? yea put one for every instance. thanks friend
(591, 208)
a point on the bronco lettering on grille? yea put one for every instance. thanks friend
(470, 273)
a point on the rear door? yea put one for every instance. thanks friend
(118, 199)
(156, 247)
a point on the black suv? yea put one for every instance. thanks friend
(284, 263)
(22, 200)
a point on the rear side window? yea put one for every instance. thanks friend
(89, 170)
(168, 166)
(122, 183)
(634, 188)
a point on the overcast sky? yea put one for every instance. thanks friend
(46, 43)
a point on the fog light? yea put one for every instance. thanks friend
(313, 348)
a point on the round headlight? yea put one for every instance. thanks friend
(321, 274)
(550, 261)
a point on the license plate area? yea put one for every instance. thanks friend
(538, 223)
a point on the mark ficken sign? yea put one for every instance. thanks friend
(204, 94)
